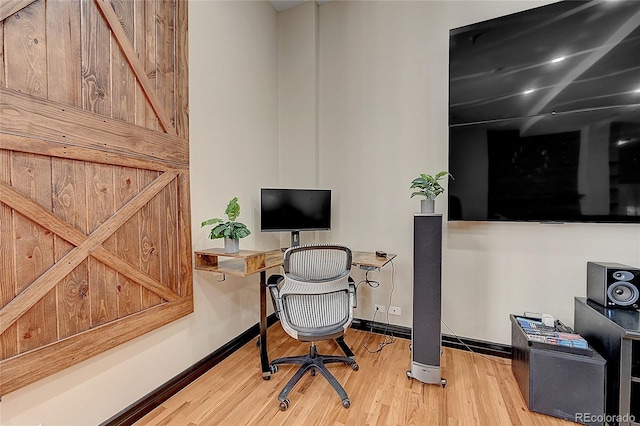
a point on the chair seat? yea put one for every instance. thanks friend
(313, 337)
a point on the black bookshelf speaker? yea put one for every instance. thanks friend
(613, 285)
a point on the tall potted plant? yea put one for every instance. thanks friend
(230, 230)
(427, 186)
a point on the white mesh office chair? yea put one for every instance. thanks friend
(314, 301)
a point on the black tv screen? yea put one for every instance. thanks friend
(290, 209)
(544, 115)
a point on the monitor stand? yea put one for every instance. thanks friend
(295, 238)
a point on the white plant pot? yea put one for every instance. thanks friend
(427, 206)
(231, 245)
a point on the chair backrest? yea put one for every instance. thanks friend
(317, 262)
(315, 299)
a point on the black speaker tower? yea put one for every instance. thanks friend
(426, 338)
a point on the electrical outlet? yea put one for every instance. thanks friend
(381, 308)
(394, 310)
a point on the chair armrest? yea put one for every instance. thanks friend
(274, 280)
(272, 284)
(352, 290)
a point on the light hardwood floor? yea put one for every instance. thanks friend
(480, 390)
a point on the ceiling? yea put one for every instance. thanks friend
(281, 5)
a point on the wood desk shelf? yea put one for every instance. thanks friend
(243, 263)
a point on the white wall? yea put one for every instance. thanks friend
(234, 148)
(298, 97)
(298, 103)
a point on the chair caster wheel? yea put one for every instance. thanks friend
(284, 405)
(355, 367)
(273, 368)
(346, 403)
(409, 375)
(443, 382)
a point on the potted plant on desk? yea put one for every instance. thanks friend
(427, 186)
(231, 230)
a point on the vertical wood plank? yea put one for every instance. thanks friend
(145, 45)
(69, 203)
(127, 241)
(182, 68)
(69, 179)
(151, 236)
(2, 79)
(171, 247)
(124, 81)
(96, 55)
(31, 175)
(184, 239)
(124, 10)
(25, 50)
(63, 52)
(8, 339)
(165, 30)
(103, 280)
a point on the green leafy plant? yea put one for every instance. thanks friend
(428, 186)
(231, 228)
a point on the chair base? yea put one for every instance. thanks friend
(314, 362)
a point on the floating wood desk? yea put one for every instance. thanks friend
(241, 264)
(249, 262)
(367, 258)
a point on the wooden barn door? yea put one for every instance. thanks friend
(95, 245)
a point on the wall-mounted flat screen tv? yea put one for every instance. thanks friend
(544, 115)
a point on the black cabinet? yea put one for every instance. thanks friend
(615, 333)
(559, 381)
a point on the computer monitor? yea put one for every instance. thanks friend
(294, 210)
